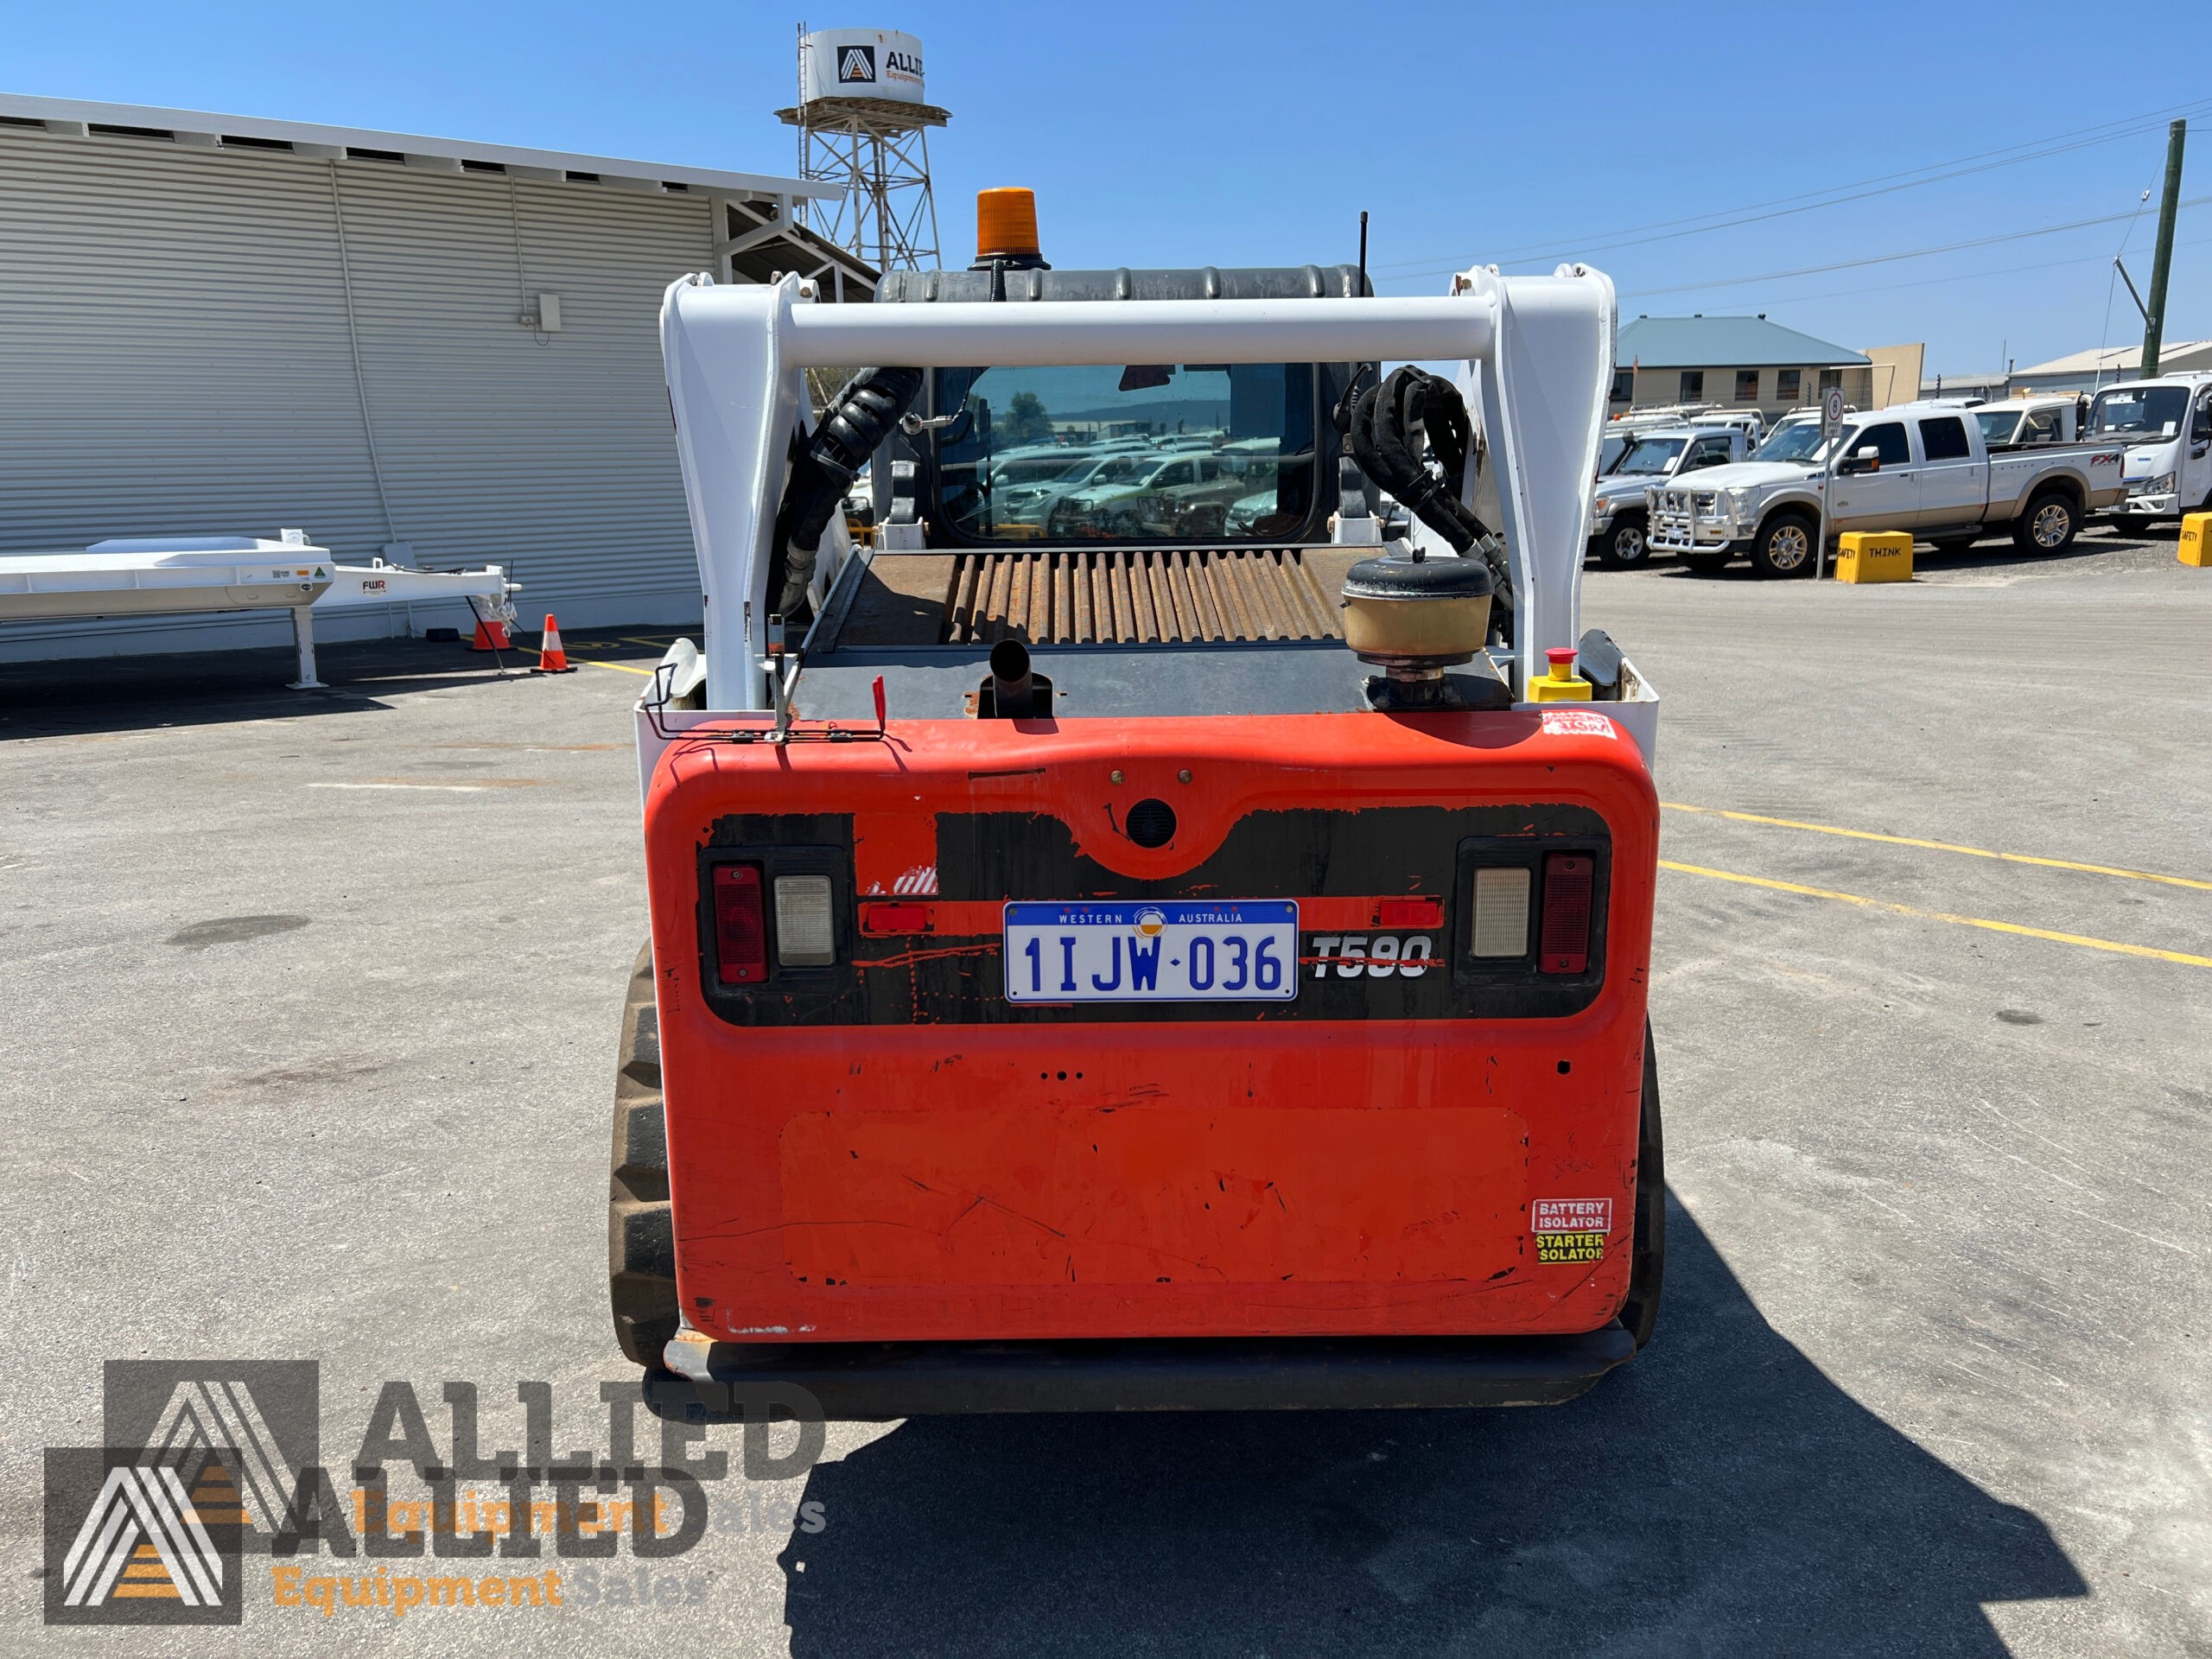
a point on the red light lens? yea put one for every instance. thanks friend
(1409, 912)
(876, 920)
(1566, 946)
(740, 926)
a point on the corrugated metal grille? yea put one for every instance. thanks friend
(174, 348)
(1178, 595)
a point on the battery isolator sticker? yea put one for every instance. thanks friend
(1572, 1230)
(1577, 722)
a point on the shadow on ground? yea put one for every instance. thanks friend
(112, 693)
(1719, 1494)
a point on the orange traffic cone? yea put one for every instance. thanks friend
(552, 659)
(490, 635)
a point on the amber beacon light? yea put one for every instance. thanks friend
(1006, 227)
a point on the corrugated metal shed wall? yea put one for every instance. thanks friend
(175, 357)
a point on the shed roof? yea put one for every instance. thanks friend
(1725, 342)
(2172, 355)
(197, 129)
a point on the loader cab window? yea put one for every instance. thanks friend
(1176, 453)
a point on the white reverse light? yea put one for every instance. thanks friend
(805, 935)
(1501, 923)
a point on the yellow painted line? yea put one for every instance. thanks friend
(1865, 903)
(1940, 845)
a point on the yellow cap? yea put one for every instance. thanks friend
(1005, 224)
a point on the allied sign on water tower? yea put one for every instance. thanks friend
(861, 63)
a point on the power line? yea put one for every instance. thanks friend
(1891, 259)
(1830, 196)
(1966, 277)
(2104, 332)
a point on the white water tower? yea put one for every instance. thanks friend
(864, 125)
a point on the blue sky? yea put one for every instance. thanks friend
(1254, 134)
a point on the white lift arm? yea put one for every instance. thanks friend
(1536, 357)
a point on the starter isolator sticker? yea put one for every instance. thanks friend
(1572, 1230)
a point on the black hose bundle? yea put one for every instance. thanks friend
(859, 418)
(1396, 428)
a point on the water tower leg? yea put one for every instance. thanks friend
(304, 636)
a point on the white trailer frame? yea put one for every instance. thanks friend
(186, 576)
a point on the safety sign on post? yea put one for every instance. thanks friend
(1831, 424)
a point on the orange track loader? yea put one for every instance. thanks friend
(1166, 924)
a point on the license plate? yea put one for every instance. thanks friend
(1234, 950)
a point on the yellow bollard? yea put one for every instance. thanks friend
(1874, 556)
(2196, 539)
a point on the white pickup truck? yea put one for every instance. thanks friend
(1649, 458)
(2166, 426)
(1922, 467)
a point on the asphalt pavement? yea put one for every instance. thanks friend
(307, 1035)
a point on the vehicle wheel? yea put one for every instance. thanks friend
(2049, 525)
(2130, 524)
(1784, 546)
(1707, 565)
(1624, 544)
(640, 1226)
(1648, 1254)
(1953, 543)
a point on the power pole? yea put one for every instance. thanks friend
(2154, 324)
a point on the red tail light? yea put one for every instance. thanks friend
(740, 925)
(1409, 912)
(1566, 946)
(878, 920)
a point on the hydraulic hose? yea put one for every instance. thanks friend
(1396, 429)
(859, 418)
